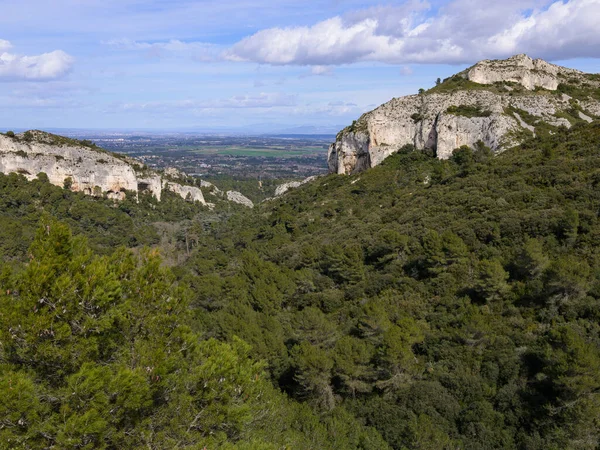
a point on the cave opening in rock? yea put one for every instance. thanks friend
(143, 187)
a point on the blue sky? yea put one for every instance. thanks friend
(198, 65)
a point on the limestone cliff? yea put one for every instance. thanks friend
(496, 102)
(238, 197)
(83, 167)
(283, 188)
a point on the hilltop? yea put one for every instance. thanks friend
(426, 303)
(81, 166)
(430, 302)
(496, 102)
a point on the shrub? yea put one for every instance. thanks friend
(416, 117)
(468, 111)
(68, 183)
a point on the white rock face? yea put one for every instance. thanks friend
(91, 171)
(212, 189)
(443, 121)
(238, 197)
(591, 107)
(530, 73)
(190, 193)
(283, 188)
(173, 172)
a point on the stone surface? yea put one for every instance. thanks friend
(588, 119)
(90, 170)
(524, 124)
(238, 197)
(190, 193)
(591, 107)
(173, 172)
(283, 188)
(521, 69)
(495, 115)
(212, 189)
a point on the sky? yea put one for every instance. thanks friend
(259, 65)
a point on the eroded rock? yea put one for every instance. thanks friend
(444, 119)
(83, 169)
(238, 197)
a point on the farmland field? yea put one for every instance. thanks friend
(265, 157)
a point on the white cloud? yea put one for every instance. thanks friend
(47, 66)
(262, 100)
(5, 45)
(564, 30)
(321, 70)
(461, 31)
(200, 51)
(406, 71)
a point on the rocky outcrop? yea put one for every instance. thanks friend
(83, 168)
(190, 193)
(283, 188)
(238, 197)
(521, 69)
(211, 188)
(492, 102)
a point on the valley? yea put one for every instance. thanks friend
(436, 287)
(202, 155)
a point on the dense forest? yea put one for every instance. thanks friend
(423, 304)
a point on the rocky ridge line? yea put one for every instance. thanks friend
(496, 102)
(86, 169)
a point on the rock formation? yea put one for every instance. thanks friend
(238, 197)
(83, 168)
(521, 69)
(283, 188)
(495, 102)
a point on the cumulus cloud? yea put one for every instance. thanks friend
(200, 51)
(462, 31)
(5, 45)
(47, 66)
(262, 100)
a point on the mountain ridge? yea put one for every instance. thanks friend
(82, 166)
(497, 102)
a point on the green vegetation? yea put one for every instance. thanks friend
(250, 187)
(468, 111)
(274, 152)
(107, 225)
(457, 313)
(55, 139)
(528, 118)
(416, 117)
(358, 126)
(98, 353)
(459, 82)
(580, 90)
(423, 304)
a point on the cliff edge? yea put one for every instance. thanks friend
(497, 102)
(83, 167)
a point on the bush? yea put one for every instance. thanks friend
(468, 111)
(68, 183)
(416, 117)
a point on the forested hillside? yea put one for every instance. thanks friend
(422, 304)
